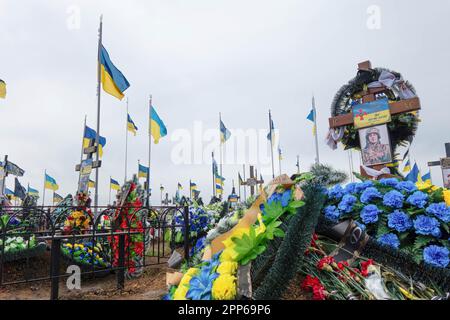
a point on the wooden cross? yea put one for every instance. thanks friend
(89, 152)
(166, 201)
(253, 181)
(444, 163)
(369, 95)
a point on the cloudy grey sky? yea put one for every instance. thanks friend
(198, 58)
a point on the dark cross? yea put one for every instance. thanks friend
(253, 181)
(444, 163)
(166, 201)
(89, 152)
(396, 107)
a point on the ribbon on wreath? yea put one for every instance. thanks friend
(389, 80)
(333, 137)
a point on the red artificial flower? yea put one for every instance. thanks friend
(342, 265)
(325, 262)
(310, 282)
(365, 267)
(319, 293)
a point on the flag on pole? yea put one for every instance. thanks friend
(215, 167)
(2, 89)
(180, 187)
(113, 184)
(196, 193)
(57, 198)
(280, 155)
(143, 171)
(91, 134)
(13, 169)
(427, 177)
(130, 125)
(113, 81)
(413, 175)
(312, 117)
(9, 193)
(50, 183)
(19, 191)
(406, 154)
(407, 167)
(241, 182)
(91, 184)
(33, 192)
(193, 186)
(271, 132)
(224, 133)
(157, 126)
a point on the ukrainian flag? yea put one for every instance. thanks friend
(180, 187)
(143, 171)
(131, 126)
(427, 177)
(9, 193)
(407, 167)
(91, 134)
(91, 184)
(113, 184)
(50, 183)
(158, 129)
(312, 117)
(225, 134)
(413, 175)
(193, 186)
(2, 89)
(271, 131)
(280, 155)
(57, 198)
(113, 80)
(33, 192)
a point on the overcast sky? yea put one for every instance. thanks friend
(199, 58)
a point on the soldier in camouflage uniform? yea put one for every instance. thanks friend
(375, 152)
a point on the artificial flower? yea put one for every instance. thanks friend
(224, 287)
(332, 213)
(227, 267)
(446, 193)
(393, 199)
(436, 256)
(347, 202)
(440, 211)
(336, 192)
(389, 182)
(427, 226)
(418, 199)
(407, 186)
(390, 240)
(399, 221)
(370, 194)
(369, 214)
(200, 285)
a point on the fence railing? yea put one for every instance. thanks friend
(121, 240)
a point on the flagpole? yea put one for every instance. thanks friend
(126, 145)
(43, 192)
(279, 159)
(97, 137)
(315, 129)
(190, 189)
(271, 142)
(213, 176)
(82, 148)
(245, 187)
(149, 148)
(239, 180)
(298, 164)
(221, 145)
(109, 199)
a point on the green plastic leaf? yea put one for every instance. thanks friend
(421, 242)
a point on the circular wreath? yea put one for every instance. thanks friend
(402, 127)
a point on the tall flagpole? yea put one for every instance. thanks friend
(213, 177)
(315, 129)
(82, 147)
(279, 159)
(109, 199)
(245, 187)
(97, 137)
(239, 180)
(126, 145)
(271, 142)
(190, 189)
(221, 145)
(43, 192)
(149, 148)
(298, 164)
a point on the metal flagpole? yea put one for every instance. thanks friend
(97, 137)
(109, 199)
(126, 145)
(245, 186)
(279, 159)
(2, 190)
(43, 192)
(82, 147)
(149, 148)
(190, 189)
(221, 145)
(213, 176)
(239, 180)
(271, 142)
(298, 164)
(315, 129)
(350, 165)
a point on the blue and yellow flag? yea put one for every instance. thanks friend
(91, 184)
(193, 186)
(143, 171)
(57, 198)
(407, 167)
(225, 134)
(90, 135)
(413, 175)
(312, 117)
(113, 81)
(10, 194)
(271, 132)
(180, 187)
(33, 192)
(158, 129)
(50, 183)
(427, 177)
(113, 184)
(280, 155)
(2, 89)
(130, 125)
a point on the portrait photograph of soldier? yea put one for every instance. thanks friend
(446, 176)
(375, 145)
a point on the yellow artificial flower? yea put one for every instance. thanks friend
(238, 233)
(447, 196)
(227, 267)
(224, 287)
(180, 293)
(426, 185)
(227, 255)
(261, 228)
(192, 271)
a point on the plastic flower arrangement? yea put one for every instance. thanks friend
(398, 214)
(86, 253)
(77, 221)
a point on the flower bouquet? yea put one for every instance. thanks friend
(17, 247)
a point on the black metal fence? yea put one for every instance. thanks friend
(37, 242)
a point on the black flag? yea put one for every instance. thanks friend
(19, 190)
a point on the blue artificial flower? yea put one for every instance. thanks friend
(390, 182)
(439, 210)
(390, 240)
(199, 245)
(369, 194)
(399, 221)
(200, 285)
(350, 188)
(418, 199)
(407, 186)
(393, 199)
(357, 187)
(427, 226)
(347, 202)
(436, 256)
(336, 193)
(369, 214)
(280, 197)
(332, 213)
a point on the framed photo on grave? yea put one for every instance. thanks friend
(85, 172)
(371, 113)
(446, 177)
(375, 145)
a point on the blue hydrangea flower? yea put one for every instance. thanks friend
(280, 197)
(369, 194)
(332, 213)
(436, 256)
(369, 214)
(393, 199)
(390, 182)
(357, 187)
(337, 192)
(439, 210)
(399, 221)
(350, 188)
(418, 199)
(427, 226)
(407, 186)
(390, 240)
(347, 202)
